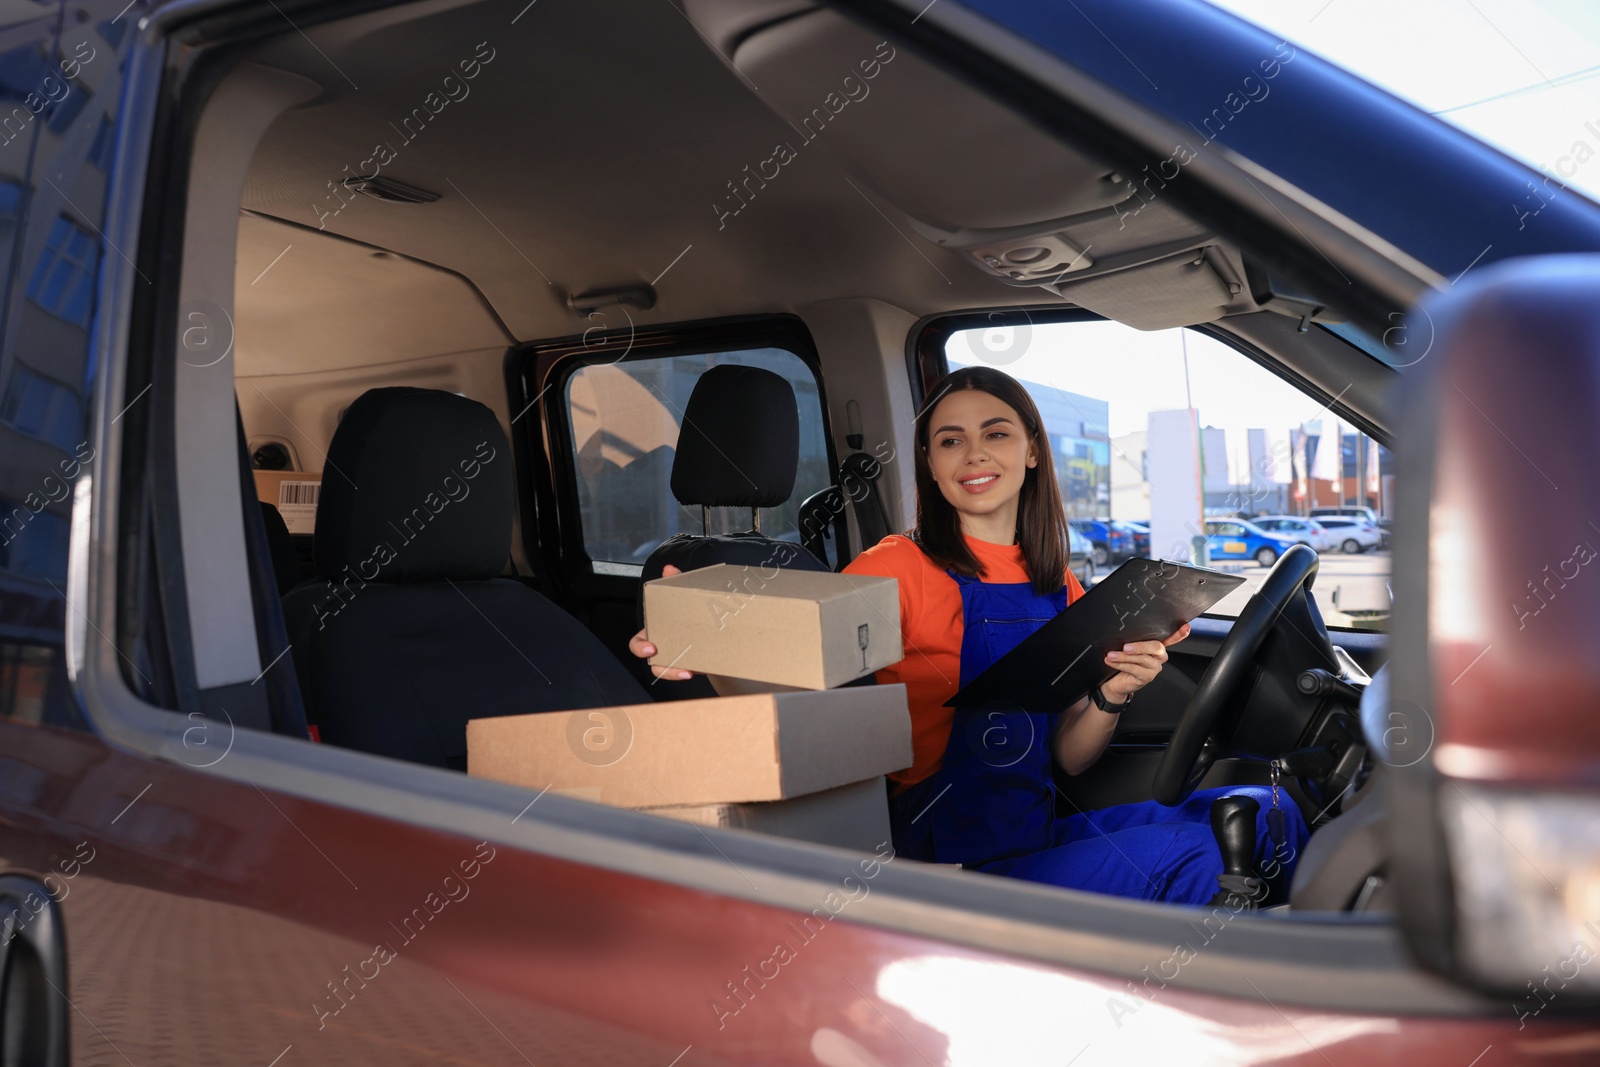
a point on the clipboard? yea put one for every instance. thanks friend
(1142, 600)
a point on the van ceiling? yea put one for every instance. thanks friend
(599, 143)
(318, 314)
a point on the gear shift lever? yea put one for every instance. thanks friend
(1233, 821)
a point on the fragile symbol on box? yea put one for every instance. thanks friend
(861, 639)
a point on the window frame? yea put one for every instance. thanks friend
(538, 373)
(1350, 965)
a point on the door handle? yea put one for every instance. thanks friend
(33, 976)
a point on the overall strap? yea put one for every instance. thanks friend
(996, 765)
(996, 616)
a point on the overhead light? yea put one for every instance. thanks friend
(381, 188)
(1027, 254)
(1033, 258)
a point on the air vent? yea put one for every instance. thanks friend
(381, 188)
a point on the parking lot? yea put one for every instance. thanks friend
(1360, 583)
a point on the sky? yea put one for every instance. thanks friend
(1137, 372)
(1522, 75)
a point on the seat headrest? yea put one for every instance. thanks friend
(740, 441)
(417, 488)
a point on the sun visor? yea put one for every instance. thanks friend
(928, 144)
(1179, 291)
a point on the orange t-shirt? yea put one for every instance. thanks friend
(931, 629)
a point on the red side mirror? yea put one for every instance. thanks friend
(1496, 650)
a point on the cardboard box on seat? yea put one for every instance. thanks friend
(294, 494)
(808, 629)
(849, 816)
(723, 750)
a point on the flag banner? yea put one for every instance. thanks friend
(1374, 480)
(1278, 469)
(1214, 474)
(1300, 472)
(1328, 464)
(1238, 450)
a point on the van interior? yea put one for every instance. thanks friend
(540, 229)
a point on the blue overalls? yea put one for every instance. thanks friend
(991, 805)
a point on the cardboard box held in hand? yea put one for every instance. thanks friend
(721, 750)
(804, 765)
(807, 629)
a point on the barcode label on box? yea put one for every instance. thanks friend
(298, 493)
(297, 503)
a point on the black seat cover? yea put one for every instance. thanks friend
(739, 447)
(740, 441)
(411, 632)
(280, 546)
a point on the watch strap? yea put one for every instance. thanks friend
(1099, 697)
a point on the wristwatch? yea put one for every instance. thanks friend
(1099, 697)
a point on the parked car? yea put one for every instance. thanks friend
(1352, 534)
(1139, 532)
(1361, 512)
(1352, 511)
(1082, 553)
(241, 217)
(1306, 531)
(1110, 543)
(1237, 539)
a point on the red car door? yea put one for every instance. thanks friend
(181, 887)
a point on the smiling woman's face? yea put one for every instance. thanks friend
(979, 454)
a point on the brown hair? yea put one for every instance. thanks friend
(1041, 521)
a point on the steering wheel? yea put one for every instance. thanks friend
(1192, 750)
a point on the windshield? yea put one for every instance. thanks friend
(1521, 75)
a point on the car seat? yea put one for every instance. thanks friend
(738, 447)
(411, 631)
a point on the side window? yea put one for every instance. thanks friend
(58, 104)
(1151, 425)
(64, 273)
(625, 419)
(39, 407)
